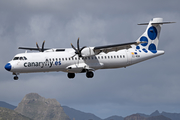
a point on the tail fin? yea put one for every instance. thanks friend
(151, 35)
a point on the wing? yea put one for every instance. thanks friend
(115, 47)
(26, 48)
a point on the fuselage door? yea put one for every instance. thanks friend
(129, 57)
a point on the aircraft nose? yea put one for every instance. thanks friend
(8, 67)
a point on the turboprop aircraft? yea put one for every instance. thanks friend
(88, 59)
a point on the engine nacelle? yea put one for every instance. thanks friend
(88, 51)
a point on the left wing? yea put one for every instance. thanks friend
(27, 48)
(116, 47)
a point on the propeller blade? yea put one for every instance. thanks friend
(43, 46)
(80, 55)
(82, 48)
(78, 44)
(38, 47)
(73, 55)
(73, 47)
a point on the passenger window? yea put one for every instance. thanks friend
(120, 56)
(63, 59)
(59, 59)
(117, 56)
(75, 58)
(101, 57)
(98, 57)
(105, 57)
(108, 57)
(111, 56)
(69, 58)
(66, 58)
(114, 56)
(123, 56)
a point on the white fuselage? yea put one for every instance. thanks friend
(63, 61)
(88, 59)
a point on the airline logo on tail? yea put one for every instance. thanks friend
(151, 36)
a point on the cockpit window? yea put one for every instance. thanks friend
(20, 58)
(16, 58)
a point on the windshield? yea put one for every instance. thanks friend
(20, 58)
(16, 58)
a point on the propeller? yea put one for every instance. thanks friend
(77, 50)
(40, 49)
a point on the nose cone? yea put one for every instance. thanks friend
(8, 67)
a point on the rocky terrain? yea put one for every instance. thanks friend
(8, 114)
(39, 108)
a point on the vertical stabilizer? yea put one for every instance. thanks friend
(151, 36)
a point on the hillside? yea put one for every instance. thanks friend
(7, 105)
(78, 115)
(138, 117)
(172, 116)
(39, 108)
(8, 114)
(115, 117)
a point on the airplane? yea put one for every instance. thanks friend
(88, 59)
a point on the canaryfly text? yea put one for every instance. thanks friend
(42, 64)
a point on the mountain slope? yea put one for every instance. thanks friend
(156, 113)
(78, 115)
(6, 105)
(135, 117)
(173, 116)
(114, 118)
(39, 108)
(8, 114)
(160, 117)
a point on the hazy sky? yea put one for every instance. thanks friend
(141, 88)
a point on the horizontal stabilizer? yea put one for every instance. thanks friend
(156, 23)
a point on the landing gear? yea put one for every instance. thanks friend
(89, 74)
(71, 75)
(16, 77)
